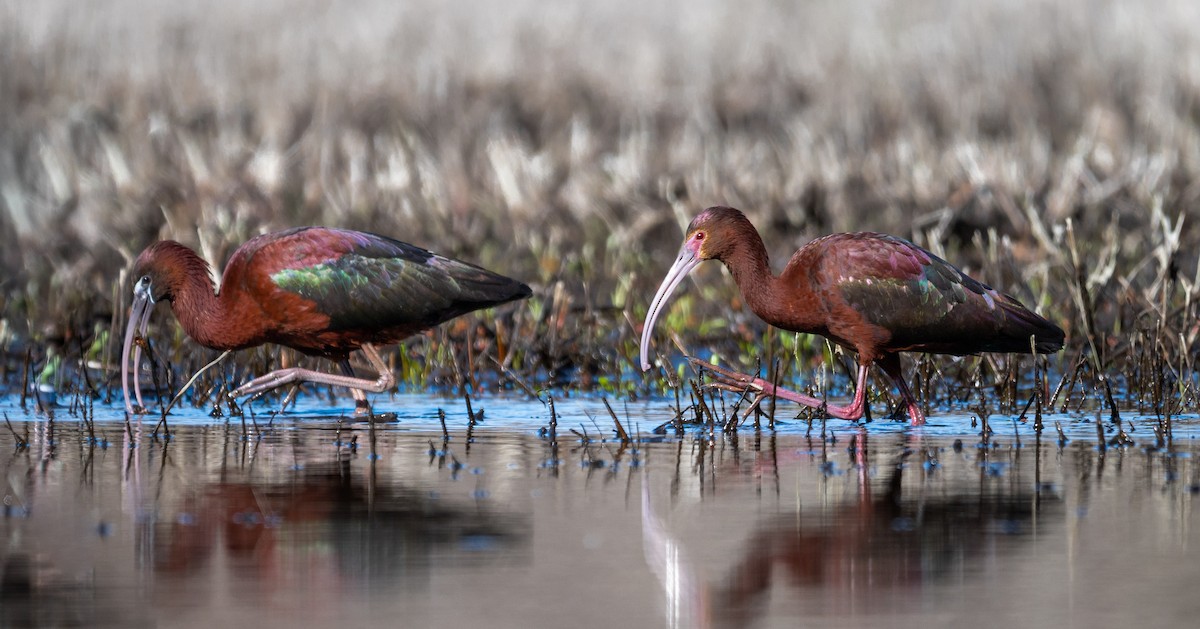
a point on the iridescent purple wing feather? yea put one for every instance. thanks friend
(923, 301)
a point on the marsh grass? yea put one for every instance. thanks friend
(1051, 149)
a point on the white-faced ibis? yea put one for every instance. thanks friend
(872, 293)
(325, 292)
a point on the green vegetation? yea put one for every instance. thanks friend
(568, 145)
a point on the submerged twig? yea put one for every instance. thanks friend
(20, 442)
(187, 385)
(621, 434)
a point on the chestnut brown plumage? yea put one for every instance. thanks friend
(872, 293)
(322, 291)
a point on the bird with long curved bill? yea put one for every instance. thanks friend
(875, 294)
(321, 291)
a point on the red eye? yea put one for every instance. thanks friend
(699, 236)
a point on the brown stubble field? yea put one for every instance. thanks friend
(1052, 149)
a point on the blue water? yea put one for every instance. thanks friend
(310, 518)
(293, 526)
(587, 415)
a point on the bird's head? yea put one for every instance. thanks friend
(715, 232)
(162, 268)
(157, 274)
(712, 235)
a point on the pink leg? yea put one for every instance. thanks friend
(864, 476)
(743, 382)
(357, 386)
(890, 363)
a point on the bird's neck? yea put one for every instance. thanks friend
(751, 270)
(205, 316)
(782, 303)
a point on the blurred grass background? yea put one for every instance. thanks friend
(567, 143)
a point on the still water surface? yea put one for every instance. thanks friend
(882, 526)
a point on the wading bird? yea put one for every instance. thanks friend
(873, 293)
(325, 292)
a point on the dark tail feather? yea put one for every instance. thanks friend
(1021, 323)
(497, 290)
(483, 288)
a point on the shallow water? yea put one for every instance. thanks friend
(879, 526)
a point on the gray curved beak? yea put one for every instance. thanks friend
(139, 321)
(684, 264)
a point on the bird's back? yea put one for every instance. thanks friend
(330, 290)
(898, 296)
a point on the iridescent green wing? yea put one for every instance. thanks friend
(362, 280)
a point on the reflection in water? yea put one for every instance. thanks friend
(685, 604)
(374, 536)
(289, 527)
(879, 542)
(246, 524)
(852, 552)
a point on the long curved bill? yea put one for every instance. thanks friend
(684, 264)
(139, 321)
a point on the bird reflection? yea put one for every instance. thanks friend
(890, 541)
(331, 524)
(846, 557)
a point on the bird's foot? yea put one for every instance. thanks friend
(729, 380)
(364, 412)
